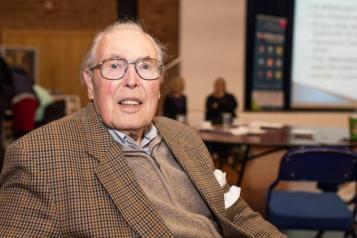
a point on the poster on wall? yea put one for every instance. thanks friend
(267, 87)
(19, 56)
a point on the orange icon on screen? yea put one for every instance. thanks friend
(270, 62)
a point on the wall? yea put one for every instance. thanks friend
(60, 29)
(211, 45)
(211, 35)
(212, 42)
(57, 14)
(59, 54)
(161, 18)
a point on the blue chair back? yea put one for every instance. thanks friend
(310, 210)
(321, 164)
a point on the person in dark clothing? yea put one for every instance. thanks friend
(220, 101)
(175, 101)
(6, 94)
(24, 103)
(217, 103)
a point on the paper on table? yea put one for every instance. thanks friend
(273, 125)
(256, 130)
(242, 130)
(237, 122)
(302, 132)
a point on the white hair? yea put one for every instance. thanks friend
(90, 58)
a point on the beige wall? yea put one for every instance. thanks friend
(62, 33)
(57, 15)
(212, 44)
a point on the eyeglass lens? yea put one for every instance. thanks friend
(148, 69)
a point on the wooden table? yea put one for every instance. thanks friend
(276, 139)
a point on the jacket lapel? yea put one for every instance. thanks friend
(117, 178)
(194, 164)
(119, 181)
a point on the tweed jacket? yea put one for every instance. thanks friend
(70, 179)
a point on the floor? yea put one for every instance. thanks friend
(260, 173)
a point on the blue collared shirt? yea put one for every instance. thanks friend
(128, 142)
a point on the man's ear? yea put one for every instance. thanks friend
(88, 79)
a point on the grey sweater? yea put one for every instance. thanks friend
(171, 191)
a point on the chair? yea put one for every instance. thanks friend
(303, 210)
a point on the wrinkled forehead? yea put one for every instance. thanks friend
(130, 44)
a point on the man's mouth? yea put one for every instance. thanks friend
(130, 102)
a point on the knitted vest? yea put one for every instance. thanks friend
(171, 191)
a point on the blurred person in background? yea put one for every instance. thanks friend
(6, 94)
(24, 103)
(219, 102)
(175, 100)
(45, 99)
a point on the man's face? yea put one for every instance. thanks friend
(128, 104)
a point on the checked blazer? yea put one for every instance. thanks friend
(69, 178)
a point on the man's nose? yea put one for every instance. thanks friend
(131, 77)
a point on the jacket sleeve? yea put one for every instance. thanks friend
(26, 205)
(243, 219)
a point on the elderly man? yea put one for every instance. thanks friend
(113, 170)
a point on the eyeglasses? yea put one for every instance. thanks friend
(115, 68)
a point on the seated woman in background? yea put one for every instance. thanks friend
(217, 103)
(175, 101)
(24, 103)
(220, 101)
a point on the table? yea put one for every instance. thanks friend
(276, 139)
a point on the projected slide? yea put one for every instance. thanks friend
(324, 63)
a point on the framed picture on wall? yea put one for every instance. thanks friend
(20, 56)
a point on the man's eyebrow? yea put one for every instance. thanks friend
(146, 57)
(117, 56)
(112, 56)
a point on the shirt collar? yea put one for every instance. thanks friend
(127, 141)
